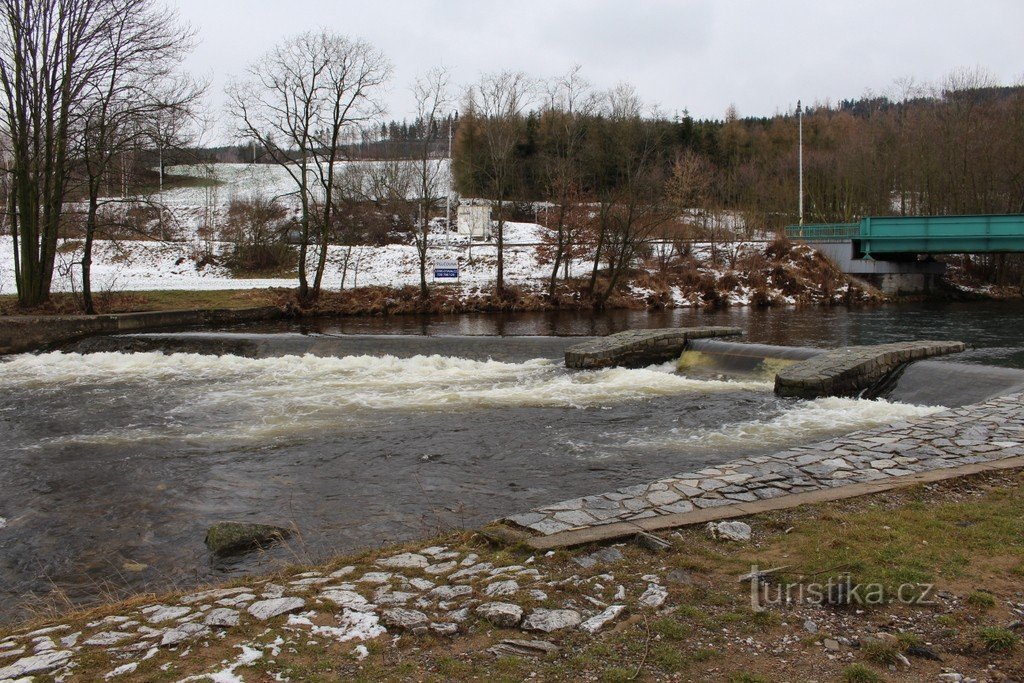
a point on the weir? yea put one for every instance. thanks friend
(250, 345)
(719, 357)
(922, 382)
(637, 348)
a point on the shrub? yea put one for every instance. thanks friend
(255, 226)
(996, 639)
(981, 600)
(858, 673)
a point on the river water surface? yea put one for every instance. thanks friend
(114, 464)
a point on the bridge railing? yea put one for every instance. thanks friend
(823, 231)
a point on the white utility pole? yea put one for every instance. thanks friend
(800, 120)
(448, 195)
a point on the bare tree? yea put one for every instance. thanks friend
(433, 101)
(497, 102)
(632, 206)
(299, 102)
(570, 101)
(51, 52)
(138, 84)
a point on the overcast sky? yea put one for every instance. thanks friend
(698, 55)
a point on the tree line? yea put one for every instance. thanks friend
(93, 92)
(956, 147)
(85, 85)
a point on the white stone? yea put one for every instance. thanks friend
(375, 577)
(344, 571)
(272, 590)
(63, 627)
(211, 595)
(268, 609)
(450, 592)
(501, 614)
(404, 561)
(730, 531)
(222, 616)
(441, 568)
(421, 584)
(596, 623)
(36, 664)
(395, 598)
(183, 633)
(344, 598)
(548, 620)
(122, 670)
(161, 613)
(107, 638)
(237, 600)
(459, 615)
(404, 618)
(654, 596)
(44, 643)
(502, 588)
(445, 628)
(472, 571)
(311, 581)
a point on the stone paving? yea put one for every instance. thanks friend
(977, 433)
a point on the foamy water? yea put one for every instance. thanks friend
(239, 400)
(805, 420)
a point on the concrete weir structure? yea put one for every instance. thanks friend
(988, 435)
(850, 371)
(637, 348)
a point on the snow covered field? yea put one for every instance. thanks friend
(150, 265)
(239, 181)
(136, 265)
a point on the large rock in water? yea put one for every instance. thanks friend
(229, 538)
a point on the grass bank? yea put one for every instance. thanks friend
(964, 538)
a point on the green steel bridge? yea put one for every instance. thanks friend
(879, 237)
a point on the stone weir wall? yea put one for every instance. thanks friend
(849, 371)
(29, 333)
(638, 348)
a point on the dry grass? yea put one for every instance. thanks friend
(701, 634)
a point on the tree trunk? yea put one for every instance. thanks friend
(501, 249)
(90, 234)
(559, 250)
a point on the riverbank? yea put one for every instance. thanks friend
(776, 274)
(684, 615)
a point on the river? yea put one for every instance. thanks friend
(114, 464)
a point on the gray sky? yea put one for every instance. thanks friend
(700, 55)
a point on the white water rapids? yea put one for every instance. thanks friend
(231, 398)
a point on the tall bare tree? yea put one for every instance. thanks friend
(570, 102)
(299, 102)
(433, 101)
(139, 84)
(51, 52)
(497, 103)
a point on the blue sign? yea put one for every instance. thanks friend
(447, 269)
